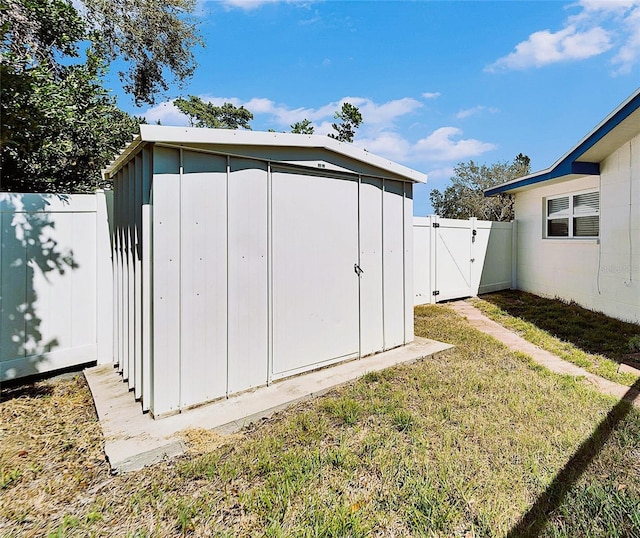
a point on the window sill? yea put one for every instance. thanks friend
(586, 240)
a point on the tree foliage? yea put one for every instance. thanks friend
(303, 127)
(203, 114)
(350, 119)
(464, 197)
(60, 126)
(153, 38)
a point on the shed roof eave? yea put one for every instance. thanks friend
(192, 135)
(117, 162)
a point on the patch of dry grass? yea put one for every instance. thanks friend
(459, 445)
(50, 452)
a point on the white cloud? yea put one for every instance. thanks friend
(465, 113)
(386, 113)
(441, 145)
(431, 95)
(630, 51)
(598, 27)
(546, 47)
(387, 144)
(436, 174)
(167, 113)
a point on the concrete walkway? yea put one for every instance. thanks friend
(554, 363)
(134, 439)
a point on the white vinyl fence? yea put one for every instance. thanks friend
(461, 258)
(55, 282)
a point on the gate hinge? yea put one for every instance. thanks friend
(436, 225)
(436, 292)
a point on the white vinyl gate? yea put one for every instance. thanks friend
(461, 258)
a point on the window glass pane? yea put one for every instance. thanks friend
(558, 227)
(586, 226)
(558, 207)
(586, 203)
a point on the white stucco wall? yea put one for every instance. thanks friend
(603, 274)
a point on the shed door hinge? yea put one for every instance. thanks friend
(436, 225)
(436, 292)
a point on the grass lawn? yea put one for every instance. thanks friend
(588, 339)
(478, 442)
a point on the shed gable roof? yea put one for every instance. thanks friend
(192, 137)
(585, 157)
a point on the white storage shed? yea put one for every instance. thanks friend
(244, 257)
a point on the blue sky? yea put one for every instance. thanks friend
(438, 83)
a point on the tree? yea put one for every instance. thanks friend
(59, 125)
(464, 198)
(350, 118)
(203, 114)
(154, 38)
(303, 127)
(59, 129)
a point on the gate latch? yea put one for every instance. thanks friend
(357, 269)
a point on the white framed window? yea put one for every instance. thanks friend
(573, 215)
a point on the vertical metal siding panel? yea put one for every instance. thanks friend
(371, 323)
(125, 273)
(117, 270)
(138, 277)
(131, 277)
(408, 262)
(166, 282)
(269, 274)
(147, 306)
(114, 258)
(104, 276)
(204, 278)
(147, 283)
(393, 259)
(315, 287)
(122, 282)
(248, 307)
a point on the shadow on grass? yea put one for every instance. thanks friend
(592, 332)
(534, 521)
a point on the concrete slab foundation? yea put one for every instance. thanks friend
(134, 439)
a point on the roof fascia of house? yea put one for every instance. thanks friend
(569, 164)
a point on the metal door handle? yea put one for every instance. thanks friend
(357, 269)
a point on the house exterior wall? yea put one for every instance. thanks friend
(601, 274)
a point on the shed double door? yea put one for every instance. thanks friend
(338, 269)
(315, 283)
